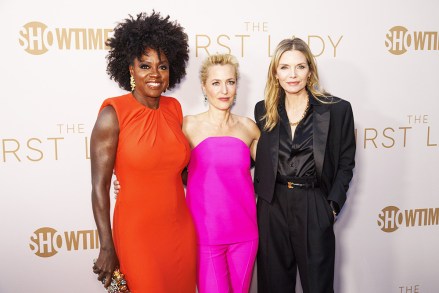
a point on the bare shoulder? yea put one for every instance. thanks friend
(191, 123)
(106, 128)
(107, 119)
(246, 122)
(188, 119)
(192, 120)
(249, 125)
(187, 123)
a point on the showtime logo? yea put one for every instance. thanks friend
(399, 39)
(37, 38)
(391, 218)
(46, 241)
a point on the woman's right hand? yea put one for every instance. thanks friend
(105, 265)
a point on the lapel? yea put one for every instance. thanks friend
(274, 147)
(320, 132)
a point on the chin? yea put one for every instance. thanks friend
(295, 91)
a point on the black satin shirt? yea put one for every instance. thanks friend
(296, 157)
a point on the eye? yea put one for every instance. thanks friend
(301, 66)
(215, 83)
(231, 82)
(284, 67)
(164, 67)
(144, 66)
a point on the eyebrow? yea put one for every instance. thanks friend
(228, 79)
(302, 63)
(146, 61)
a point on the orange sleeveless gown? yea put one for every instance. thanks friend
(152, 228)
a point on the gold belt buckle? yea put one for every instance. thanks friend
(290, 185)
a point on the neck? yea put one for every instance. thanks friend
(297, 99)
(220, 118)
(150, 102)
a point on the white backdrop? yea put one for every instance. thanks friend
(382, 56)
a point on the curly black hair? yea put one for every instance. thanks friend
(133, 36)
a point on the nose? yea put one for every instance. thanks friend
(154, 71)
(224, 89)
(293, 72)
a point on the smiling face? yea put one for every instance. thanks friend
(293, 72)
(220, 86)
(151, 74)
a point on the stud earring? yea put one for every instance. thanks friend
(132, 83)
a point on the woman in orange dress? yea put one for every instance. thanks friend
(139, 135)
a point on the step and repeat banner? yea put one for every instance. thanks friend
(382, 56)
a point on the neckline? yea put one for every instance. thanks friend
(143, 106)
(221, 136)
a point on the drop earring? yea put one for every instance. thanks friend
(132, 83)
(205, 99)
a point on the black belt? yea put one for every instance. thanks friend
(297, 182)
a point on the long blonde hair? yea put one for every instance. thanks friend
(273, 91)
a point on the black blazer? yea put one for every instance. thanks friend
(333, 144)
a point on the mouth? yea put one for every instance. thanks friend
(154, 85)
(225, 99)
(293, 83)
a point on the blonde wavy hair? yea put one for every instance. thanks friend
(218, 59)
(273, 91)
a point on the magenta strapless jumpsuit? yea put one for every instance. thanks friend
(221, 198)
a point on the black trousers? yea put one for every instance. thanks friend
(295, 232)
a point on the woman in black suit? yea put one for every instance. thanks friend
(304, 162)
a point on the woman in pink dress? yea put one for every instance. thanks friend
(220, 192)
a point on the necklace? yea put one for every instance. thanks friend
(293, 124)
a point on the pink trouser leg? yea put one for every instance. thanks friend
(226, 268)
(241, 260)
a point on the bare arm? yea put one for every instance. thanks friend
(255, 134)
(253, 148)
(103, 146)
